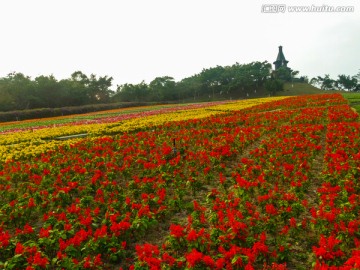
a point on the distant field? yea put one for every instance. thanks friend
(354, 100)
(96, 117)
(353, 97)
(298, 89)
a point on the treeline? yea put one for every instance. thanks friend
(236, 81)
(21, 92)
(343, 82)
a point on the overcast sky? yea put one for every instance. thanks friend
(137, 40)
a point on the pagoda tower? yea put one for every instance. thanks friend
(280, 60)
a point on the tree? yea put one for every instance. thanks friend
(6, 99)
(284, 73)
(162, 88)
(347, 83)
(72, 93)
(78, 86)
(20, 88)
(131, 92)
(189, 87)
(303, 79)
(357, 77)
(325, 83)
(47, 92)
(212, 80)
(260, 72)
(274, 85)
(99, 89)
(241, 79)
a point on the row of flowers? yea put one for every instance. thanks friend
(237, 190)
(108, 116)
(33, 142)
(336, 217)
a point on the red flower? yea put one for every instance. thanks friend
(4, 239)
(97, 260)
(118, 228)
(293, 222)
(87, 263)
(146, 253)
(67, 227)
(192, 236)
(101, 232)
(194, 257)
(19, 249)
(270, 209)
(326, 249)
(285, 230)
(168, 259)
(176, 231)
(31, 203)
(354, 260)
(220, 263)
(44, 232)
(28, 229)
(60, 255)
(123, 244)
(39, 260)
(209, 261)
(260, 247)
(222, 178)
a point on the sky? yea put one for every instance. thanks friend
(136, 40)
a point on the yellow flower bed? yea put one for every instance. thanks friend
(32, 143)
(155, 120)
(243, 104)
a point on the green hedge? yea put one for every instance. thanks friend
(52, 112)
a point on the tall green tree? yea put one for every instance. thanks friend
(97, 89)
(7, 102)
(163, 89)
(325, 83)
(131, 92)
(47, 92)
(21, 89)
(345, 82)
(274, 85)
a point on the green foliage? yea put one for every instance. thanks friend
(20, 92)
(348, 83)
(131, 92)
(354, 100)
(274, 86)
(325, 83)
(344, 82)
(162, 88)
(283, 73)
(236, 80)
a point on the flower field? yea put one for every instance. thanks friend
(255, 184)
(32, 140)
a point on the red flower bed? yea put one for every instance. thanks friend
(271, 187)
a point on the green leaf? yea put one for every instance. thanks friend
(235, 259)
(54, 261)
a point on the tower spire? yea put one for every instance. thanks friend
(280, 59)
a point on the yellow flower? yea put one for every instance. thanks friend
(28, 143)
